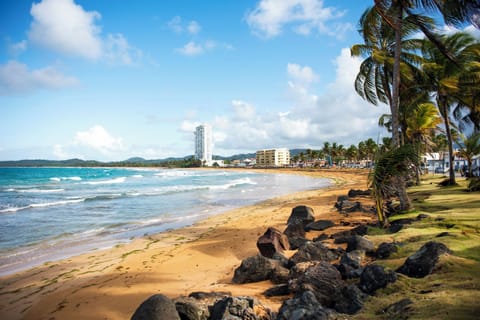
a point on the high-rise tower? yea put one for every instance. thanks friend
(203, 143)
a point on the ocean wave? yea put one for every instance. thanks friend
(58, 179)
(110, 181)
(35, 190)
(41, 205)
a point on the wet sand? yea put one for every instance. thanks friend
(111, 283)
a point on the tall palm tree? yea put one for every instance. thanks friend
(469, 148)
(443, 78)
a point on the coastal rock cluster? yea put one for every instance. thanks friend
(328, 277)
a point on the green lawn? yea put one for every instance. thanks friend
(452, 291)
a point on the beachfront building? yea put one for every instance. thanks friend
(273, 157)
(203, 144)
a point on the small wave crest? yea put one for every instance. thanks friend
(110, 181)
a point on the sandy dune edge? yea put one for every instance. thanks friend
(110, 284)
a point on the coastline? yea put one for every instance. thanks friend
(111, 283)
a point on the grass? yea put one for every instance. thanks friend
(452, 291)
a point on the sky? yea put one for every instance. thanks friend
(110, 80)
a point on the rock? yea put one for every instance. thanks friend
(403, 221)
(301, 214)
(443, 234)
(321, 278)
(257, 268)
(399, 310)
(313, 251)
(385, 249)
(295, 230)
(360, 243)
(353, 258)
(355, 193)
(422, 216)
(422, 262)
(348, 272)
(360, 230)
(303, 307)
(209, 296)
(352, 300)
(191, 309)
(296, 235)
(319, 225)
(321, 237)
(347, 206)
(375, 277)
(240, 308)
(342, 198)
(278, 290)
(157, 307)
(394, 228)
(271, 242)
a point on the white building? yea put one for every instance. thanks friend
(203, 144)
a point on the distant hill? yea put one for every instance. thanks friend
(134, 161)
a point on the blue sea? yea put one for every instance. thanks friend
(52, 213)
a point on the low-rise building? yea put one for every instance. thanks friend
(273, 157)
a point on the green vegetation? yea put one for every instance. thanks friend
(452, 291)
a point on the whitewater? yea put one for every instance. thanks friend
(52, 213)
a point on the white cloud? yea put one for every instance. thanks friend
(304, 16)
(15, 78)
(304, 75)
(243, 110)
(191, 49)
(99, 139)
(63, 26)
(336, 115)
(193, 27)
(177, 25)
(119, 51)
(15, 49)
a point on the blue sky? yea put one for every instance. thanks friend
(111, 80)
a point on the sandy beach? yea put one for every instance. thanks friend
(111, 283)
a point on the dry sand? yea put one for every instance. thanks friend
(111, 284)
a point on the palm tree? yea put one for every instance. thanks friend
(443, 79)
(422, 124)
(469, 148)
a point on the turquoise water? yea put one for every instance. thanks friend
(52, 213)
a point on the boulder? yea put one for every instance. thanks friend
(422, 262)
(355, 193)
(296, 235)
(257, 268)
(351, 300)
(348, 272)
(360, 243)
(240, 308)
(353, 258)
(302, 307)
(278, 290)
(360, 230)
(347, 206)
(189, 308)
(301, 214)
(385, 249)
(321, 237)
(271, 242)
(319, 225)
(313, 251)
(321, 278)
(375, 277)
(156, 307)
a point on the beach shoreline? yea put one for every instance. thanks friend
(111, 283)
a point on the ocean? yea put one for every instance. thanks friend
(52, 213)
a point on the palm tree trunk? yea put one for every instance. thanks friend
(444, 111)
(405, 203)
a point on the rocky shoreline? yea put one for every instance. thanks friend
(324, 277)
